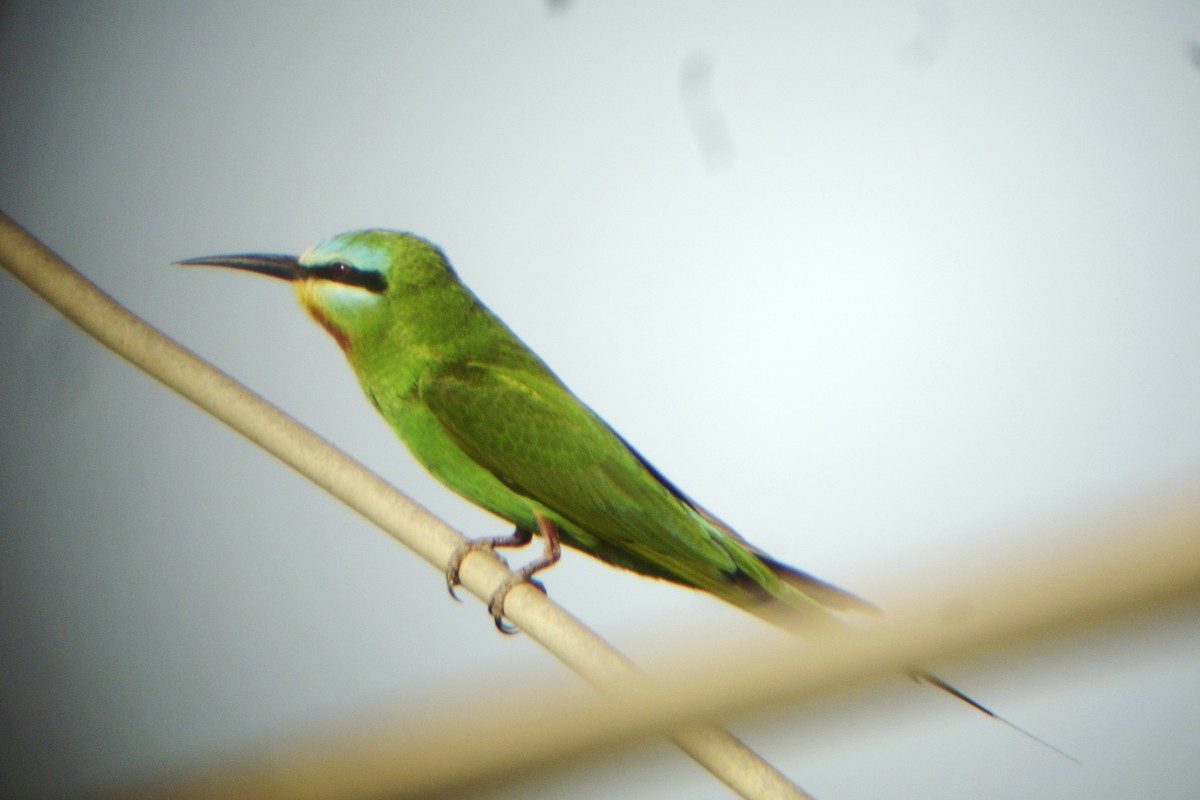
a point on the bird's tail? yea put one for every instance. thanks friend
(806, 594)
(922, 676)
(836, 599)
(814, 589)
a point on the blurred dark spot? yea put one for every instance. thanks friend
(558, 5)
(1193, 53)
(708, 124)
(933, 33)
(49, 360)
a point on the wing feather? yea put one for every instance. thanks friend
(541, 442)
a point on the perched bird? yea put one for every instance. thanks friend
(489, 420)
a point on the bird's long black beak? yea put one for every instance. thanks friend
(273, 264)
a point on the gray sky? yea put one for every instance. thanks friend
(894, 288)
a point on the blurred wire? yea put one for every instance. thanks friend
(449, 750)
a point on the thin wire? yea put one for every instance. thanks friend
(569, 640)
(1041, 599)
(418, 755)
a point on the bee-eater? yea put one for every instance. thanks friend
(489, 420)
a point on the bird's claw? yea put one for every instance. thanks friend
(496, 604)
(456, 559)
(518, 538)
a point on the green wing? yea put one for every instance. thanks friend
(543, 444)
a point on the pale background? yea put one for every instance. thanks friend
(893, 287)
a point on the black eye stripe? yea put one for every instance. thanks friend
(341, 272)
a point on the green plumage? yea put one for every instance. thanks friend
(490, 420)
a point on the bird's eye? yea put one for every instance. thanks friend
(345, 273)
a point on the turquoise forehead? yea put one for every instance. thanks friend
(373, 249)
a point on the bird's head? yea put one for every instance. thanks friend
(351, 283)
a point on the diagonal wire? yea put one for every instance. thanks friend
(569, 640)
(1120, 580)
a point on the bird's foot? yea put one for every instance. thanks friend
(550, 556)
(456, 559)
(516, 539)
(496, 604)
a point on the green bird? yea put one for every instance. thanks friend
(483, 414)
(489, 420)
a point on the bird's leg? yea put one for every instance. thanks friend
(550, 556)
(518, 538)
